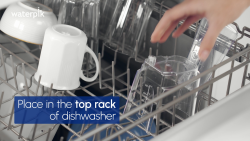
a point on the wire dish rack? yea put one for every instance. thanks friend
(19, 64)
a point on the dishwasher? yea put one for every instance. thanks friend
(19, 62)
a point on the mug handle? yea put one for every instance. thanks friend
(97, 67)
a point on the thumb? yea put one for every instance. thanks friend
(209, 40)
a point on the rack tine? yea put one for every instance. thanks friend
(21, 129)
(34, 132)
(38, 85)
(150, 51)
(3, 63)
(176, 42)
(107, 131)
(62, 138)
(42, 91)
(128, 81)
(82, 129)
(128, 62)
(13, 69)
(173, 116)
(113, 77)
(97, 135)
(25, 80)
(111, 130)
(1, 100)
(136, 50)
(158, 117)
(160, 16)
(141, 79)
(119, 136)
(50, 89)
(103, 48)
(48, 134)
(245, 72)
(210, 90)
(232, 64)
(199, 104)
(11, 116)
(115, 56)
(123, 41)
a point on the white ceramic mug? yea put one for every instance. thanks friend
(27, 21)
(62, 56)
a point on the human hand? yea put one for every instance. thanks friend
(219, 14)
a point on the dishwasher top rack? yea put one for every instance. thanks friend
(107, 84)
